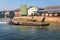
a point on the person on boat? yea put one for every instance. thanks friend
(33, 20)
(43, 19)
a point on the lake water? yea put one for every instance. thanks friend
(17, 32)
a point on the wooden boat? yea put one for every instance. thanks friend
(44, 24)
(29, 23)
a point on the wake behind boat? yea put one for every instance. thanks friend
(3, 22)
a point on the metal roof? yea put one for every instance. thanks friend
(41, 11)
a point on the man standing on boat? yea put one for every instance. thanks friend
(43, 19)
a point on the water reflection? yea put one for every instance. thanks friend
(29, 29)
(17, 32)
(54, 27)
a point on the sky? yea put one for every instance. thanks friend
(14, 4)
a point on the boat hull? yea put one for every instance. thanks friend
(30, 24)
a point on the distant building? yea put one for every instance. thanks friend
(53, 10)
(2, 14)
(6, 14)
(31, 10)
(42, 12)
(17, 12)
(52, 7)
(11, 14)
